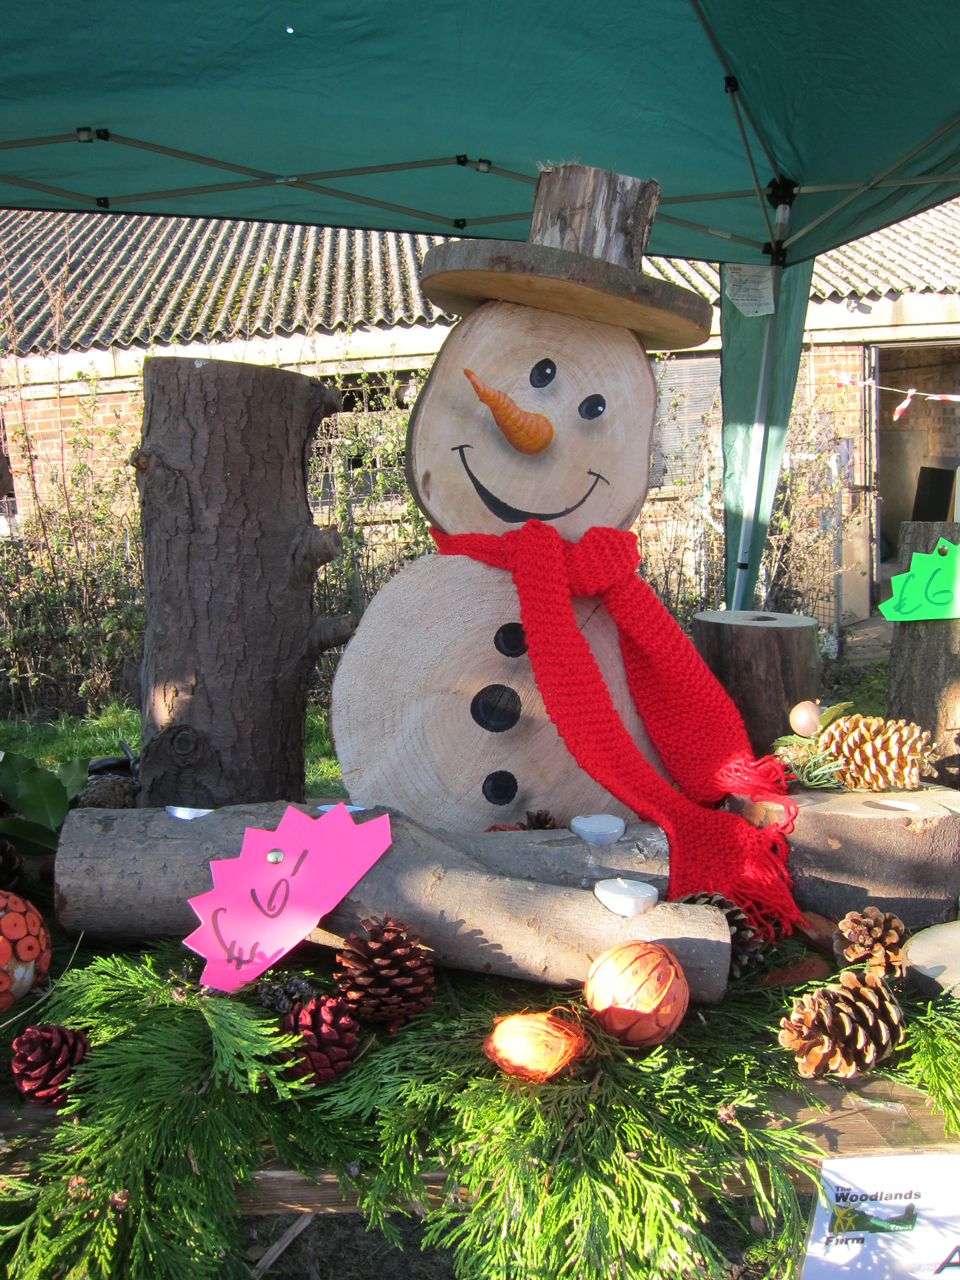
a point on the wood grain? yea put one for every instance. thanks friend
(594, 211)
(401, 703)
(460, 275)
(923, 683)
(767, 662)
(230, 556)
(449, 425)
(127, 874)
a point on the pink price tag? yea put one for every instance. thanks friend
(267, 900)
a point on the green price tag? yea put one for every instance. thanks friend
(930, 587)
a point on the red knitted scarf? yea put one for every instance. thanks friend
(690, 719)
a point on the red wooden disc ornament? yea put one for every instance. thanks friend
(24, 948)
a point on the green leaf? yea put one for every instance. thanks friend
(12, 765)
(42, 798)
(73, 775)
(28, 837)
(829, 714)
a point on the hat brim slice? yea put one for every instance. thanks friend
(460, 275)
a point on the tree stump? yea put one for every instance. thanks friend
(230, 554)
(923, 684)
(767, 662)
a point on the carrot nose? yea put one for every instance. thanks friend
(527, 432)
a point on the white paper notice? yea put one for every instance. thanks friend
(750, 289)
(886, 1217)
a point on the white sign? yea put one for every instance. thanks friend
(750, 289)
(886, 1217)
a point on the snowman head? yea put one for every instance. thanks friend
(541, 403)
(532, 415)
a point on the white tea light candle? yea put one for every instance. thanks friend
(598, 828)
(626, 897)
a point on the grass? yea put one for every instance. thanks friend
(865, 686)
(54, 741)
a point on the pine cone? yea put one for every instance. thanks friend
(542, 820)
(43, 1058)
(874, 936)
(328, 1038)
(746, 949)
(109, 792)
(11, 864)
(843, 1029)
(387, 976)
(877, 754)
(282, 996)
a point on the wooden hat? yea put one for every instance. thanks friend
(584, 257)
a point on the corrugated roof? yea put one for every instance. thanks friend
(81, 280)
(78, 280)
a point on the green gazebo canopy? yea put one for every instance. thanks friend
(435, 117)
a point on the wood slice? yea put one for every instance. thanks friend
(127, 874)
(230, 553)
(923, 683)
(414, 729)
(594, 471)
(767, 662)
(596, 212)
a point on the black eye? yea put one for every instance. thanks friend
(543, 373)
(592, 407)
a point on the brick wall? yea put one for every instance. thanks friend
(56, 431)
(934, 369)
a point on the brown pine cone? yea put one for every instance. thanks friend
(843, 1029)
(874, 936)
(387, 976)
(876, 754)
(328, 1038)
(43, 1058)
(542, 820)
(746, 948)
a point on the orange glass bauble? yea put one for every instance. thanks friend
(637, 992)
(24, 948)
(535, 1046)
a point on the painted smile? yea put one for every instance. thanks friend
(513, 515)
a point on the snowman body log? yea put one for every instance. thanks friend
(452, 730)
(435, 711)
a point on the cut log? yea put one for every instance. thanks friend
(923, 682)
(128, 874)
(895, 849)
(465, 474)
(230, 556)
(435, 710)
(767, 662)
(595, 212)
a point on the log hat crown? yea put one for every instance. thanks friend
(583, 258)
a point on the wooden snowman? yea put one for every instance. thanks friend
(540, 406)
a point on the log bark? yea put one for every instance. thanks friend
(923, 684)
(767, 662)
(230, 556)
(594, 212)
(127, 874)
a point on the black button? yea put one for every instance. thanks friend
(499, 787)
(496, 707)
(510, 640)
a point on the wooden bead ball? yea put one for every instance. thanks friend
(24, 948)
(637, 992)
(805, 719)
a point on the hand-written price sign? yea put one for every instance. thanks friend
(929, 589)
(267, 900)
(890, 1217)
